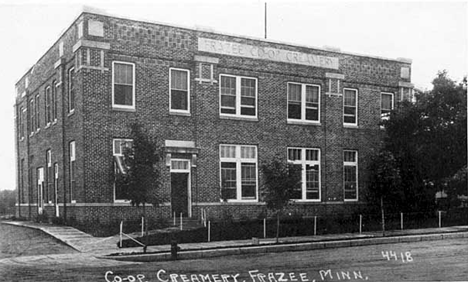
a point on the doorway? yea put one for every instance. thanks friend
(180, 188)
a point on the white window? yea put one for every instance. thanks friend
(303, 102)
(71, 90)
(406, 94)
(238, 96)
(56, 176)
(54, 100)
(32, 116)
(238, 167)
(120, 168)
(48, 105)
(350, 175)
(350, 107)
(179, 90)
(72, 171)
(37, 112)
(123, 85)
(21, 119)
(49, 178)
(386, 104)
(309, 161)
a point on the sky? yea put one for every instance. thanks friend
(433, 34)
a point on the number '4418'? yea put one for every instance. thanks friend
(404, 257)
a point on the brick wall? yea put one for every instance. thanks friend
(154, 49)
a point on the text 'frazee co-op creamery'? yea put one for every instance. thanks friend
(266, 53)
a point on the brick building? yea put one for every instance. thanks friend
(219, 104)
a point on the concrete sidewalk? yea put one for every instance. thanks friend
(101, 247)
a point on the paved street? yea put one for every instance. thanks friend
(444, 260)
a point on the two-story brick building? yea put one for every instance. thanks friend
(219, 104)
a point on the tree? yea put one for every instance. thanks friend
(7, 202)
(385, 183)
(428, 140)
(281, 179)
(140, 181)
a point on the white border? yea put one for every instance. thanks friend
(303, 103)
(238, 97)
(357, 175)
(124, 107)
(357, 107)
(188, 91)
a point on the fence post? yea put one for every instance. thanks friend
(264, 228)
(401, 221)
(181, 221)
(174, 219)
(315, 225)
(440, 219)
(142, 226)
(121, 231)
(209, 231)
(206, 217)
(360, 223)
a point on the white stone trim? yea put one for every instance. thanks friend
(91, 44)
(179, 143)
(405, 84)
(206, 59)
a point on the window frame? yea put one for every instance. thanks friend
(304, 162)
(114, 154)
(37, 113)
(71, 88)
(356, 107)
(54, 101)
(303, 103)
(124, 107)
(72, 170)
(386, 115)
(238, 106)
(239, 161)
(352, 164)
(32, 116)
(48, 105)
(21, 118)
(49, 174)
(170, 91)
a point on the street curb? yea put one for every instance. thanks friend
(209, 253)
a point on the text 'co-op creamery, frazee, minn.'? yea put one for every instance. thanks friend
(266, 53)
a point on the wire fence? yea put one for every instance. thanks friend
(334, 224)
(295, 225)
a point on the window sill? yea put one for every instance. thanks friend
(123, 109)
(351, 201)
(350, 126)
(238, 118)
(240, 202)
(38, 130)
(121, 203)
(55, 122)
(21, 139)
(71, 113)
(306, 201)
(174, 113)
(47, 126)
(302, 122)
